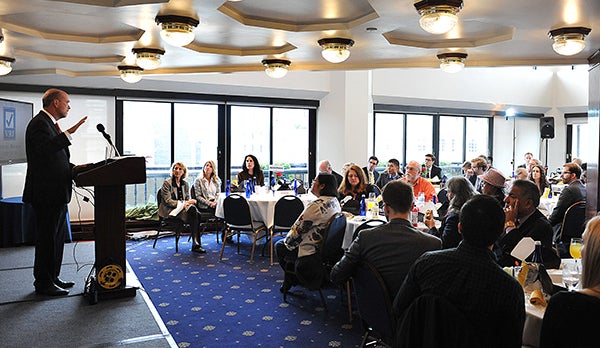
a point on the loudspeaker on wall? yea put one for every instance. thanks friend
(547, 127)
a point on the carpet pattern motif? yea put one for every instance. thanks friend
(207, 303)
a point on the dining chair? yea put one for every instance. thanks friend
(367, 224)
(374, 306)
(572, 226)
(168, 223)
(207, 221)
(287, 210)
(238, 220)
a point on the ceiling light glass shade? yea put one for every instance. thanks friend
(130, 73)
(148, 58)
(335, 50)
(276, 68)
(177, 30)
(569, 41)
(452, 62)
(438, 16)
(6, 65)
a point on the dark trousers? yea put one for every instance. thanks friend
(50, 241)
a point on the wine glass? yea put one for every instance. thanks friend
(570, 275)
(306, 184)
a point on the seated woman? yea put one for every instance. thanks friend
(175, 190)
(207, 188)
(352, 188)
(251, 170)
(538, 176)
(460, 191)
(305, 236)
(494, 184)
(570, 318)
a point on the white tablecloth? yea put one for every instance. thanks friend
(351, 226)
(262, 205)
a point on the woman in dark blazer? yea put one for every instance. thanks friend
(176, 192)
(251, 169)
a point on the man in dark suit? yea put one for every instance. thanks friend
(573, 193)
(370, 173)
(391, 173)
(431, 170)
(523, 219)
(48, 188)
(391, 248)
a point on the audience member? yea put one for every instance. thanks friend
(301, 243)
(370, 170)
(521, 174)
(391, 248)
(418, 183)
(460, 191)
(391, 173)
(479, 166)
(467, 171)
(325, 167)
(354, 186)
(523, 219)
(468, 278)
(527, 157)
(493, 184)
(573, 193)
(207, 188)
(176, 191)
(432, 172)
(570, 318)
(533, 162)
(251, 170)
(538, 176)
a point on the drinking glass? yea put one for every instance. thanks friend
(306, 186)
(575, 248)
(570, 275)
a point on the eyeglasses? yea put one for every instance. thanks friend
(412, 168)
(428, 160)
(373, 163)
(567, 173)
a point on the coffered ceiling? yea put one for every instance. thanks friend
(92, 37)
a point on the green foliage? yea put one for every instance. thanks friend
(144, 212)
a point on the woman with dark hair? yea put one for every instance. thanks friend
(251, 170)
(306, 234)
(460, 190)
(570, 318)
(538, 176)
(354, 186)
(176, 191)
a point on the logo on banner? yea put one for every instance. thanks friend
(10, 123)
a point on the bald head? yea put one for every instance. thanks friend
(325, 167)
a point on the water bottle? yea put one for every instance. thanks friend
(248, 188)
(414, 215)
(537, 253)
(295, 187)
(227, 188)
(550, 192)
(363, 206)
(421, 198)
(434, 199)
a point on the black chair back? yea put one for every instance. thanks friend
(367, 224)
(332, 250)
(374, 304)
(573, 223)
(287, 210)
(236, 210)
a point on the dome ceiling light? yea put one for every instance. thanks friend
(130, 73)
(6, 65)
(335, 50)
(569, 41)
(438, 16)
(276, 68)
(177, 30)
(452, 62)
(148, 58)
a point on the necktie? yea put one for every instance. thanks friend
(58, 128)
(371, 178)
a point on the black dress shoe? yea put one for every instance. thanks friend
(52, 290)
(229, 240)
(63, 284)
(198, 249)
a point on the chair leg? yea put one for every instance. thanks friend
(226, 232)
(271, 243)
(177, 235)
(323, 299)
(253, 247)
(157, 234)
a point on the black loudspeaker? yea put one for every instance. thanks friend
(547, 127)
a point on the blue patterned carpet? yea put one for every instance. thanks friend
(206, 303)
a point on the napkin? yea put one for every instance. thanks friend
(537, 298)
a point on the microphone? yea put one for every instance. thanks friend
(101, 129)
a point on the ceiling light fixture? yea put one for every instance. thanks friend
(148, 58)
(177, 30)
(569, 41)
(335, 50)
(130, 73)
(276, 68)
(6, 65)
(452, 62)
(438, 16)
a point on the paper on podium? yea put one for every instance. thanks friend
(177, 210)
(523, 249)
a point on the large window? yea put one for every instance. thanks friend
(419, 137)
(389, 137)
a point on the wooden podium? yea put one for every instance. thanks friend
(109, 179)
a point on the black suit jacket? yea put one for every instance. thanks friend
(573, 193)
(375, 175)
(337, 177)
(48, 178)
(538, 228)
(435, 171)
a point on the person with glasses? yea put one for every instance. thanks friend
(418, 183)
(370, 172)
(573, 193)
(432, 172)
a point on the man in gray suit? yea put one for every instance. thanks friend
(573, 193)
(391, 248)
